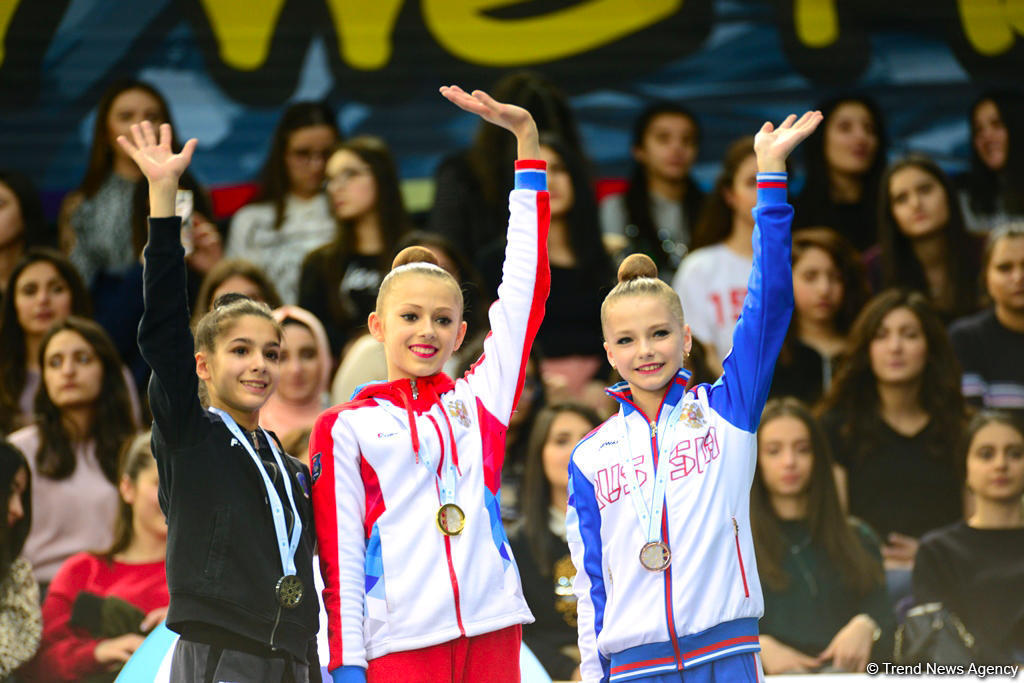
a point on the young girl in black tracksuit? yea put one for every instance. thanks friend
(240, 535)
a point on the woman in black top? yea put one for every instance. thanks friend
(988, 342)
(923, 244)
(992, 191)
(829, 289)
(581, 273)
(892, 415)
(471, 198)
(825, 604)
(240, 576)
(844, 161)
(975, 567)
(339, 280)
(540, 547)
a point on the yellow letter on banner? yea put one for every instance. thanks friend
(243, 30)
(364, 30)
(6, 13)
(816, 22)
(465, 31)
(990, 25)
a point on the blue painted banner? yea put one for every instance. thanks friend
(229, 66)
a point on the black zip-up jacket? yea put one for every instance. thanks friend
(222, 557)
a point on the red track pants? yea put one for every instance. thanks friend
(486, 658)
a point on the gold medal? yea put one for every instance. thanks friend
(450, 519)
(655, 556)
(289, 590)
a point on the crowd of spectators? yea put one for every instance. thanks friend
(884, 478)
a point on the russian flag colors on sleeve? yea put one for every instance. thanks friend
(393, 581)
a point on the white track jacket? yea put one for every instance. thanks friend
(393, 581)
(634, 622)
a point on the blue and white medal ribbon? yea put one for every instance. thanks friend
(450, 517)
(655, 554)
(289, 587)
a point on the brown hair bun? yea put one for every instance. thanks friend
(636, 266)
(414, 254)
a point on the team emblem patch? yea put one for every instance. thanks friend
(693, 416)
(315, 467)
(303, 483)
(457, 409)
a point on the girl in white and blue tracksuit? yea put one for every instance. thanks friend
(698, 612)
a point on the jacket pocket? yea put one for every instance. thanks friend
(219, 539)
(739, 556)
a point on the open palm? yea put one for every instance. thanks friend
(155, 158)
(777, 143)
(508, 116)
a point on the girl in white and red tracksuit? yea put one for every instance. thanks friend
(688, 613)
(404, 600)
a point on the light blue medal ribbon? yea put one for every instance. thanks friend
(446, 480)
(450, 517)
(650, 515)
(286, 546)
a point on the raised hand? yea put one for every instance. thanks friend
(158, 162)
(510, 117)
(773, 145)
(156, 159)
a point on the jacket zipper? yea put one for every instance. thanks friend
(669, 609)
(448, 541)
(415, 391)
(739, 556)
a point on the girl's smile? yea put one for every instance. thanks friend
(650, 368)
(423, 350)
(256, 386)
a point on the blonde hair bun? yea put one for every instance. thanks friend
(414, 254)
(637, 266)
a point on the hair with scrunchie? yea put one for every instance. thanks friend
(638, 275)
(421, 261)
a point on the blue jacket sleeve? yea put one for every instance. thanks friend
(583, 533)
(740, 393)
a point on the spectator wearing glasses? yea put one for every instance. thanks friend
(339, 280)
(291, 216)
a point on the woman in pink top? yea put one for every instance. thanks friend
(84, 416)
(100, 605)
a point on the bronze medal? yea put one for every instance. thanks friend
(289, 590)
(450, 519)
(655, 556)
